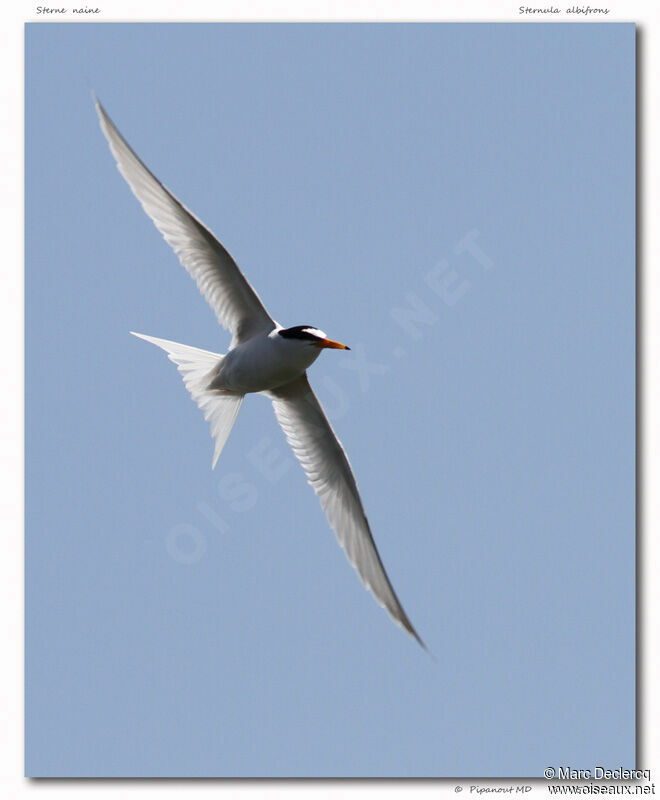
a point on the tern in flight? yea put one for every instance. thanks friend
(263, 357)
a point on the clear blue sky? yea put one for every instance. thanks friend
(456, 203)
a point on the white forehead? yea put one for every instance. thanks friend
(316, 332)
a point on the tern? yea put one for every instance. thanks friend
(263, 357)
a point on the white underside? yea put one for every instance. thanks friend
(265, 362)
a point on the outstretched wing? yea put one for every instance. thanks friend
(322, 456)
(236, 304)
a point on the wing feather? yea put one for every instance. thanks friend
(235, 303)
(322, 456)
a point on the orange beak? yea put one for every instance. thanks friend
(332, 345)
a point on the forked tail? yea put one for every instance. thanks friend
(198, 368)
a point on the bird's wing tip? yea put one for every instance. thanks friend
(407, 626)
(422, 643)
(150, 339)
(97, 103)
(425, 648)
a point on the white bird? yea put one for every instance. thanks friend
(263, 357)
